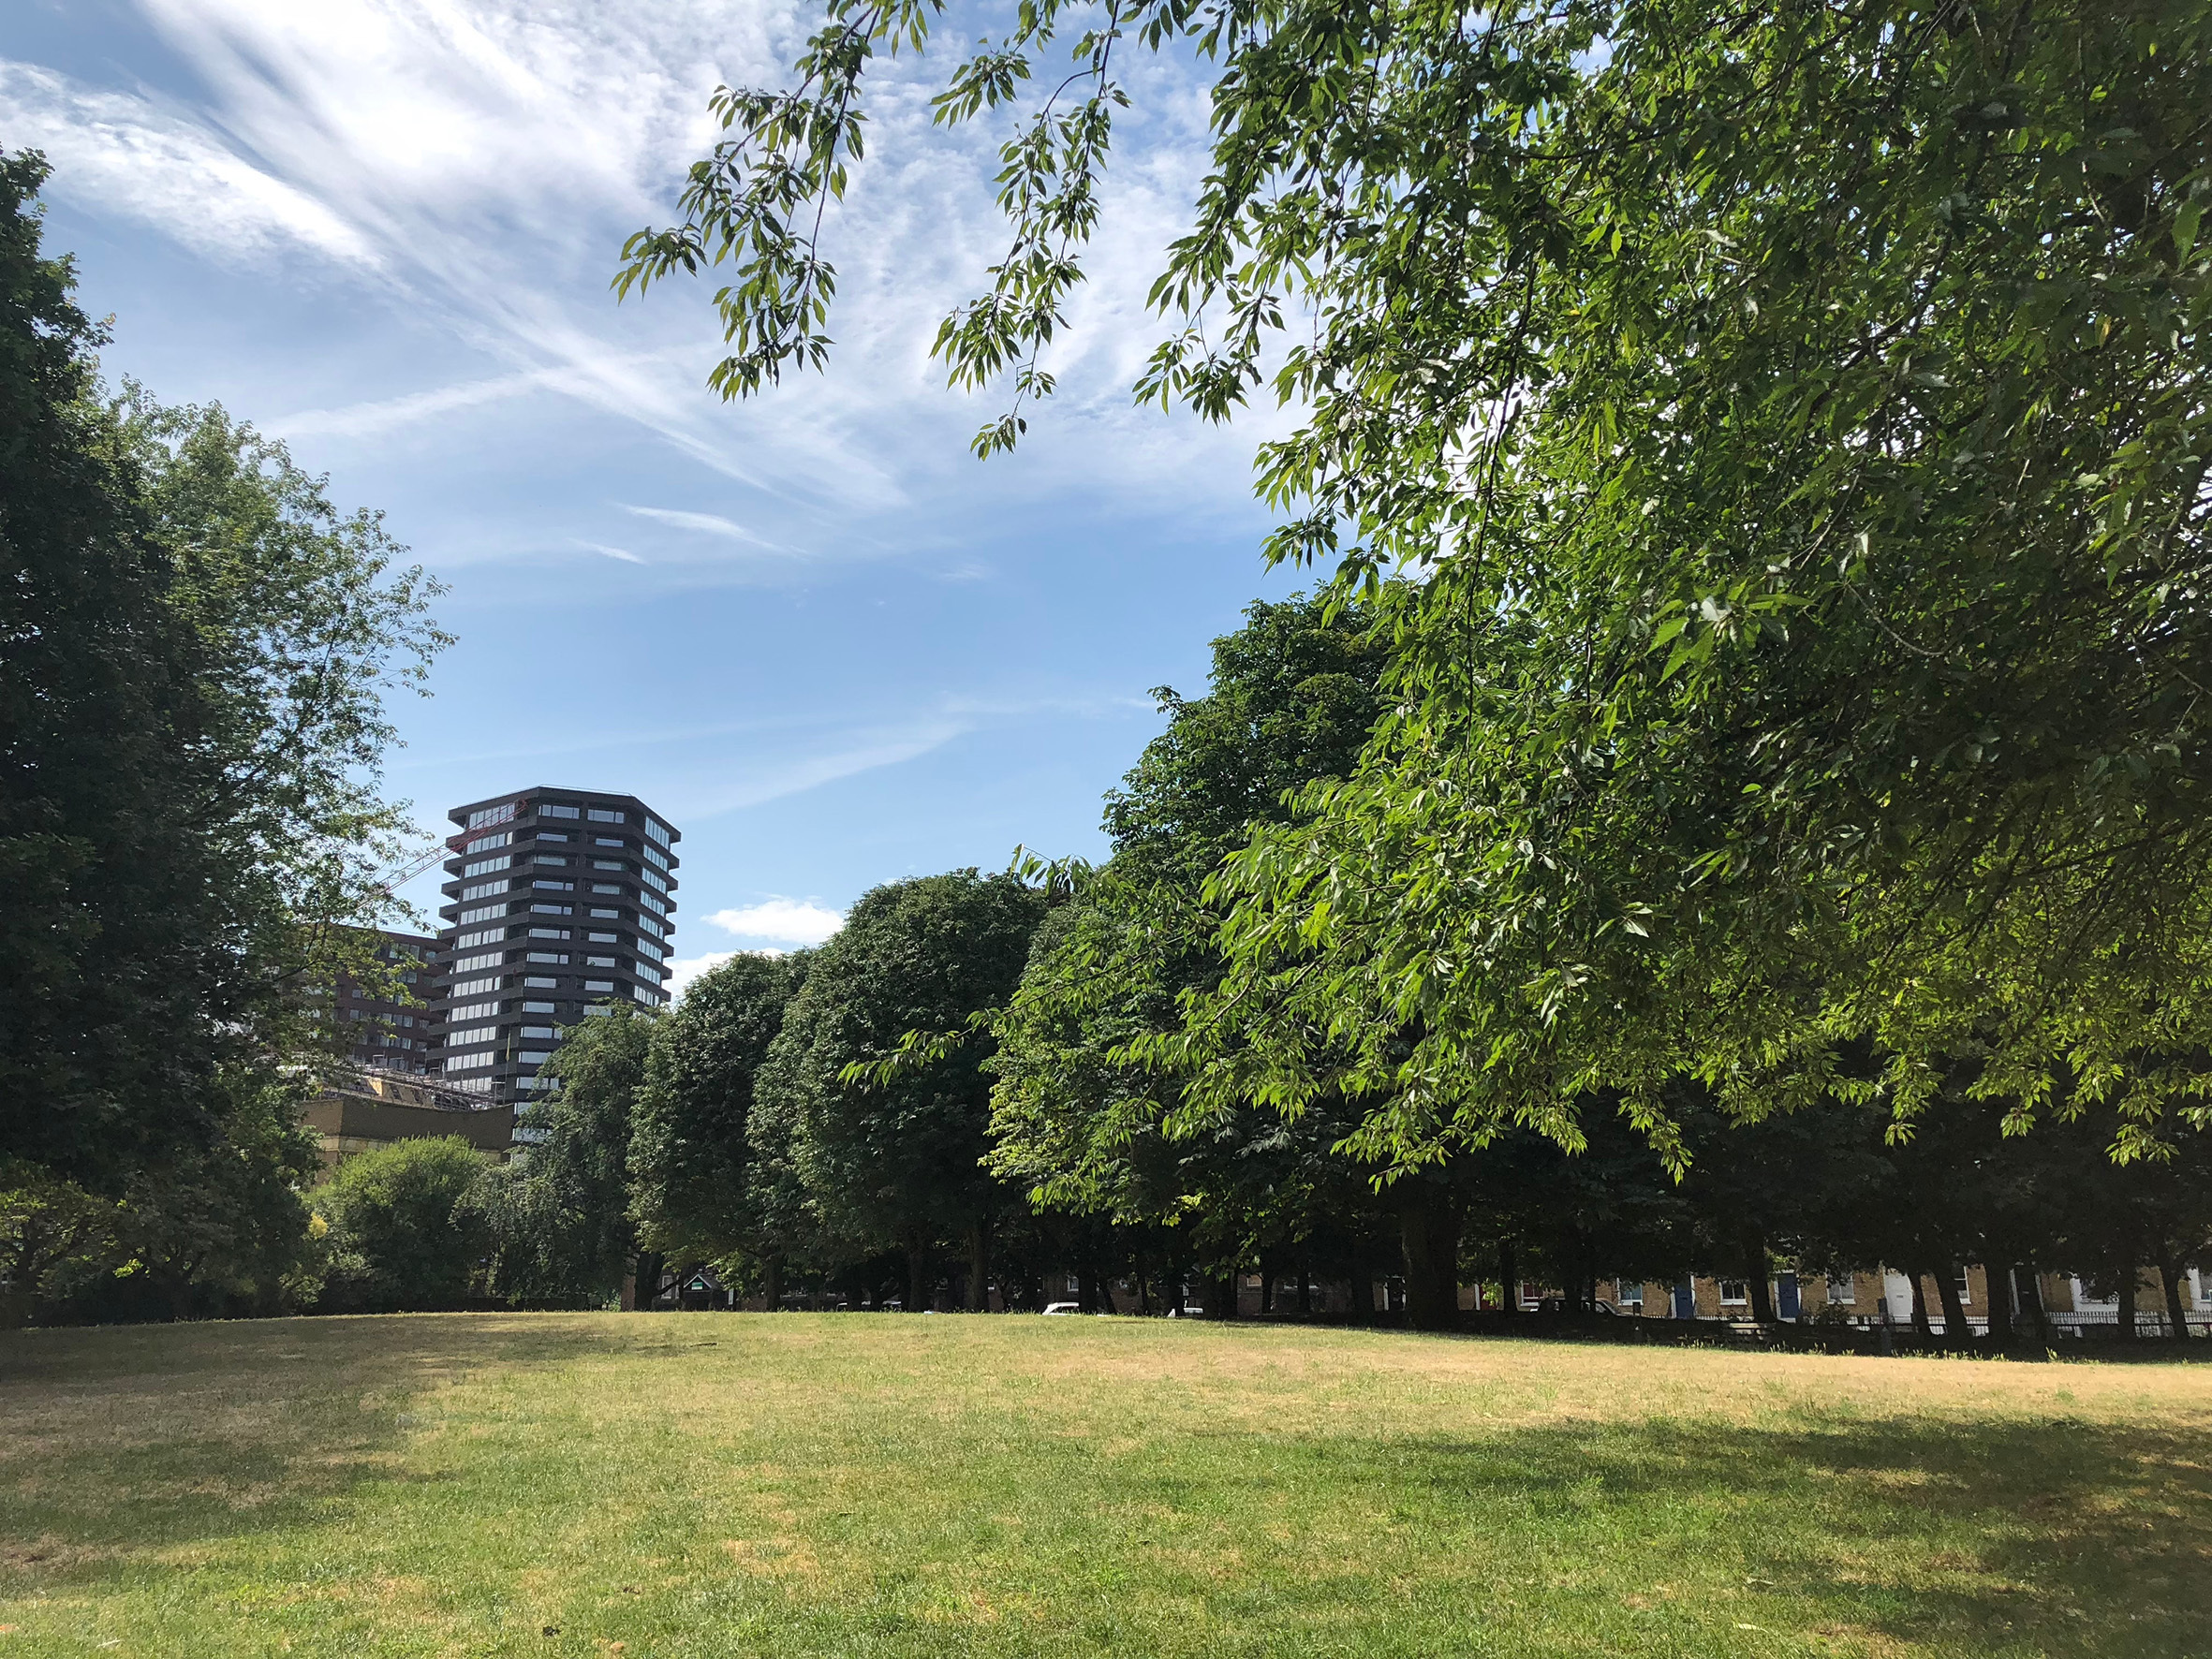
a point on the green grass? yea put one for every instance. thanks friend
(877, 1484)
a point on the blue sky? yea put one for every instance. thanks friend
(812, 630)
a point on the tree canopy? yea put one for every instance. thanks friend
(1797, 418)
(897, 1161)
(191, 728)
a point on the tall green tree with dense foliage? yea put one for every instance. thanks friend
(1292, 698)
(694, 1192)
(191, 727)
(560, 1211)
(404, 1232)
(894, 1158)
(1798, 413)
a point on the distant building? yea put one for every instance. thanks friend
(388, 1033)
(557, 902)
(350, 1118)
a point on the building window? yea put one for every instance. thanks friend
(598, 985)
(1842, 1292)
(657, 832)
(483, 889)
(553, 887)
(473, 1062)
(655, 858)
(609, 864)
(477, 986)
(1966, 1292)
(609, 840)
(1627, 1294)
(653, 904)
(602, 915)
(598, 961)
(539, 985)
(485, 914)
(650, 925)
(552, 910)
(604, 938)
(539, 1031)
(599, 814)
(654, 881)
(558, 812)
(552, 958)
(489, 937)
(1735, 1293)
(492, 815)
(552, 835)
(470, 964)
(534, 1056)
(650, 998)
(647, 947)
(538, 1007)
(560, 858)
(605, 887)
(597, 1008)
(472, 1011)
(483, 865)
(552, 933)
(646, 971)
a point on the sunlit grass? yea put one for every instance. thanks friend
(880, 1484)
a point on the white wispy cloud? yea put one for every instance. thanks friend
(480, 160)
(161, 169)
(788, 921)
(623, 553)
(706, 523)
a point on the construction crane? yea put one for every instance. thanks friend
(446, 849)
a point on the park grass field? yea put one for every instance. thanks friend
(870, 1485)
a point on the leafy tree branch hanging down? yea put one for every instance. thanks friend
(1799, 415)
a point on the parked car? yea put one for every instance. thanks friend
(1063, 1307)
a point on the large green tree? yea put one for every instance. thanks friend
(560, 1211)
(404, 1233)
(197, 646)
(1799, 414)
(695, 1193)
(894, 1158)
(1080, 1118)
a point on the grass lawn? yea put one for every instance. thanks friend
(880, 1484)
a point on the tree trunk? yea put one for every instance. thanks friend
(1304, 1288)
(771, 1281)
(1999, 1283)
(2131, 1281)
(1266, 1284)
(1763, 1290)
(1956, 1329)
(2176, 1315)
(2031, 1303)
(649, 1268)
(1428, 1231)
(1921, 1328)
(1090, 1290)
(916, 1266)
(979, 1265)
(1509, 1284)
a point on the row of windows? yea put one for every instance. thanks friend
(654, 881)
(492, 815)
(655, 857)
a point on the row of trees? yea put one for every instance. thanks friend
(963, 1091)
(195, 647)
(1794, 420)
